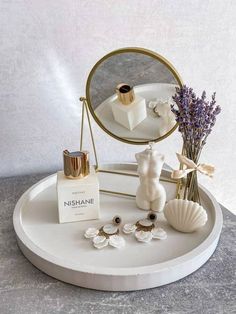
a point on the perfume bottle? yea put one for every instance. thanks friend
(77, 188)
(128, 109)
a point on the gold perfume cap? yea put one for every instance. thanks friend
(125, 93)
(76, 164)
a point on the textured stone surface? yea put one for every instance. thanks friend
(24, 289)
(130, 68)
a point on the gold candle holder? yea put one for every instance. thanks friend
(76, 164)
(125, 93)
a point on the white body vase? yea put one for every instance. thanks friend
(151, 194)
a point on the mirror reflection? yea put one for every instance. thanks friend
(130, 95)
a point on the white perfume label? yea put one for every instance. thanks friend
(78, 203)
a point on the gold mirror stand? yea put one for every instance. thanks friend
(85, 110)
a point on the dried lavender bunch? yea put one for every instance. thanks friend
(196, 117)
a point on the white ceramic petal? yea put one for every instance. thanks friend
(117, 241)
(100, 242)
(145, 222)
(129, 228)
(110, 229)
(143, 236)
(91, 233)
(101, 245)
(184, 215)
(159, 233)
(99, 239)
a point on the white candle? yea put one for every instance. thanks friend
(151, 194)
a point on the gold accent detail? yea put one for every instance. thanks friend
(76, 164)
(135, 175)
(85, 110)
(144, 228)
(125, 50)
(125, 93)
(117, 193)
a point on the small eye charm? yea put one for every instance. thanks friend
(146, 229)
(116, 220)
(106, 235)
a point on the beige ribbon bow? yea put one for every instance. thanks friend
(190, 166)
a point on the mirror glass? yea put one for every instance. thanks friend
(129, 94)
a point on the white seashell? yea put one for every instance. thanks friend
(145, 222)
(100, 242)
(159, 233)
(143, 236)
(129, 228)
(116, 241)
(184, 215)
(110, 229)
(91, 233)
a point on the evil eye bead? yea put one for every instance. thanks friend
(152, 216)
(116, 220)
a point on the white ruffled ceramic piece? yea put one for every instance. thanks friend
(145, 222)
(129, 228)
(159, 233)
(184, 215)
(152, 104)
(143, 236)
(91, 233)
(117, 241)
(110, 229)
(100, 242)
(163, 108)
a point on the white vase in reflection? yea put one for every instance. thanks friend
(130, 115)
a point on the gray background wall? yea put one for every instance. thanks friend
(48, 48)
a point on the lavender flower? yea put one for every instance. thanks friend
(195, 115)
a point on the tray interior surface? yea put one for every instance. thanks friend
(66, 243)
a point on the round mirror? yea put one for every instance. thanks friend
(129, 93)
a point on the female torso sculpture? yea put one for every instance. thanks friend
(150, 194)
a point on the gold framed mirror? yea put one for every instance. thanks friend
(129, 92)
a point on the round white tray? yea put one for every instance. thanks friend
(61, 251)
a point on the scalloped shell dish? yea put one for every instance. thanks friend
(184, 215)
